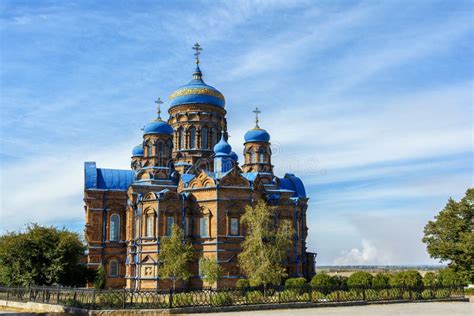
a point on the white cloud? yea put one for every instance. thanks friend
(368, 254)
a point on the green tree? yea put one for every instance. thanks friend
(360, 279)
(322, 280)
(430, 279)
(410, 278)
(41, 256)
(100, 278)
(448, 277)
(175, 256)
(211, 271)
(340, 281)
(450, 237)
(264, 249)
(381, 280)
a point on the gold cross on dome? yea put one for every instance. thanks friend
(198, 50)
(257, 112)
(159, 103)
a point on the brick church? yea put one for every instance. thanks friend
(184, 172)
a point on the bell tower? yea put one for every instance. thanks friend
(197, 115)
(257, 150)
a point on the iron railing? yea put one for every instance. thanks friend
(152, 299)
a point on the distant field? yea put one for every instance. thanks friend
(348, 270)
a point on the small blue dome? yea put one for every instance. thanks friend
(158, 127)
(197, 91)
(222, 148)
(257, 135)
(234, 156)
(137, 151)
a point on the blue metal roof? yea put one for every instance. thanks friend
(187, 177)
(257, 135)
(106, 179)
(197, 91)
(293, 183)
(251, 176)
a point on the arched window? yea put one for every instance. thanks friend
(261, 156)
(204, 142)
(114, 227)
(149, 225)
(159, 149)
(192, 137)
(150, 149)
(113, 268)
(252, 156)
(181, 138)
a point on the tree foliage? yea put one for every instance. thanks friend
(211, 270)
(360, 279)
(100, 278)
(430, 279)
(322, 280)
(263, 256)
(450, 237)
(448, 277)
(175, 256)
(381, 280)
(410, 278)
(41, 256)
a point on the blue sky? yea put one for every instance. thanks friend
(370, 103)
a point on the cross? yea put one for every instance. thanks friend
(256, 111)
(198, 50)
(159, 103)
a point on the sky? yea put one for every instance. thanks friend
(369, 103)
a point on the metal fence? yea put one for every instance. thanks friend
(134, 299)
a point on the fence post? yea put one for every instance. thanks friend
(57, 295)
(363, 293)
(43, 294)
(124, 298)
(74, 298)
(170, 303)
(93, 298)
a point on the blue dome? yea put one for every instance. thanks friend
(137, 151)
(222, 148)
(158, 127)
(197, 91)
(257, 135)
(234, 156)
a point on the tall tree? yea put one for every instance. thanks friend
(41, 256)
(450, 237)
(175, 256)
(211, 271)
(264, 249)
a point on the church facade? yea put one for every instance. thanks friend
(185, 173)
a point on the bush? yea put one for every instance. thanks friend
(183, 299)
(322, 280)
(343, 296)
(372, 295)
(389, 294)
(411, 278)
(254, 297)
(340, 281)
(295, 282)
(360, 279)
(317, 296)
(427, 294)
(242, 283)
(110, 299)
(430, 279)
(221, 299)
(288, 296)
(442, 293)
(381, 280)
(447, 277)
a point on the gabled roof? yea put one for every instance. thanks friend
(106, 179)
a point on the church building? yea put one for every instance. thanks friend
(184, 172)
